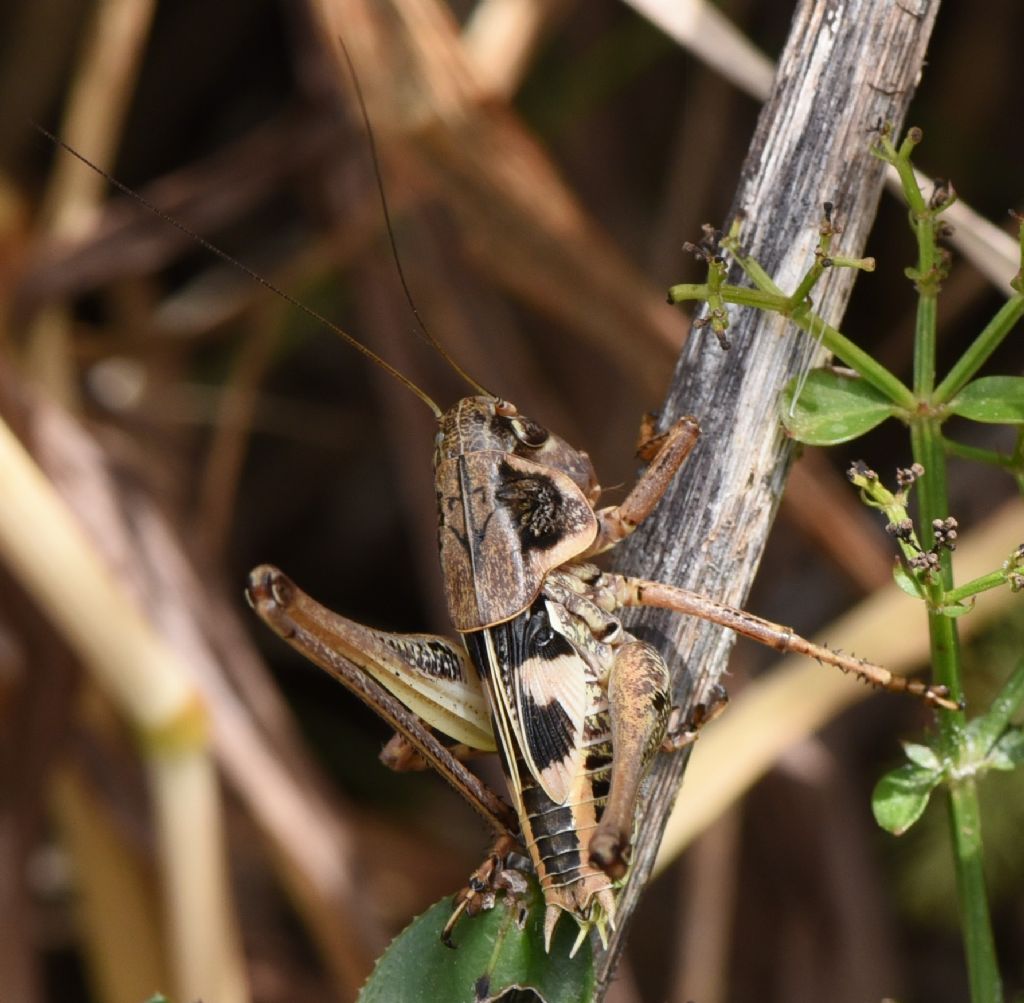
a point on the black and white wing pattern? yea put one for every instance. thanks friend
(538, 685)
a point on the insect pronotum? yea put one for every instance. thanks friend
(544, 672)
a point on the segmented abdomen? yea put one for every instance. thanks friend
(556, 834)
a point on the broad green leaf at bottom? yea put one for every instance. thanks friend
(492, 955)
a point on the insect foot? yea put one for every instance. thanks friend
(493, 875)
(683, 731)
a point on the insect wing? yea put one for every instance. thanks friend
(551, 693)
(538, 688)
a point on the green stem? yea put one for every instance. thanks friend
(805, 285)
(964, 813)
(870, 370)
(768, 301)
(924, 346)
(927, 292)
(988, 456)
(980, 350)
(965, 823)
(974, 587)
(933, 504)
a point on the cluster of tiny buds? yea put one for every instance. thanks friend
(709, 249)
(925, 560)
(902, 530)
(945, 533)
(718, 321)
(860, 469)
(1015, 570)
(942, 195)
(905, 476)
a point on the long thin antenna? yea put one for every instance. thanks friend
(241, 266)
(435, 344)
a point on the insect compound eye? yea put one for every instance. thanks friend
(529, 433)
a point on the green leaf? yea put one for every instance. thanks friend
(922, 755)
(906, 581)
(1008, 752)
(492, 955)
(833, 408)
(993, 399)
(158, 998)
(954, 609)
(901, 796)
(985, 731)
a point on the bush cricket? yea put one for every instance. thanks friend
(545, 673)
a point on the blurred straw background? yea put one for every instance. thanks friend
(184, 805)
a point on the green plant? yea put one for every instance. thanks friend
(836, 406)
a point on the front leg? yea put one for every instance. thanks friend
(684, 729)
(618, 521)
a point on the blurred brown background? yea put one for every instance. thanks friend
(235, 431)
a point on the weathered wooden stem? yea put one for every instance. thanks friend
(848, 66)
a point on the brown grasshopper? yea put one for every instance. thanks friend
(575, 706)
(546, 675)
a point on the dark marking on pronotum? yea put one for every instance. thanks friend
(536, 505)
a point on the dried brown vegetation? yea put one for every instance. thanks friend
(543, 175)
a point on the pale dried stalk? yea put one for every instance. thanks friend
(703, 29)
(103, 85)
(43, 545)
(102, 88)
(845, 64)
(116, 900)
(501, 36)
(313, 846)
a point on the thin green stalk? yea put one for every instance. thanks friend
(983, 346)
(927, 282)
(993, 580)
(965, 825)
(767, 301)
(869, 369)
(924, 346)
(964, 813)
(991, 457)
(932, 497)
(865, 365)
